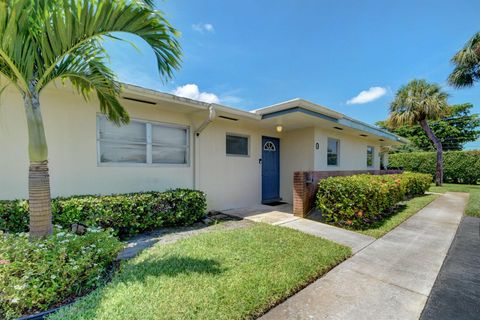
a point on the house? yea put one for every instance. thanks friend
(238, 158)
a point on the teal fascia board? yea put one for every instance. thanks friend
(298, 109)
(342, 121)
(366, 128)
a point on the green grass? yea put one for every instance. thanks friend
(234, 274)
(406, 210)
(473, 206)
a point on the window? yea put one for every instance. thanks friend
(370, 153)
(269, 146)
(332, 152)
(237, 145)
(169, 144)
(142, 143)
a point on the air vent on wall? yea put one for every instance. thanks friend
(338, 128)
(228, 118)
(139, 100)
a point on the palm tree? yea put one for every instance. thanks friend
(46, 40)
(467, 64)
(416, 103)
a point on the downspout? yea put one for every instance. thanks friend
(211, 116)
(205, 123)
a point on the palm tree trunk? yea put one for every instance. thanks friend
(438, 145)
(38, 178)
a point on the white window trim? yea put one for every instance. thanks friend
(149, 145)
(238, 135)
(338, 152)
(373, 157)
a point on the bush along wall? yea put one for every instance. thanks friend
(126, 214)
(459, 166)
(360, 200)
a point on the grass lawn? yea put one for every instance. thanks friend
(473, 206)
(406, 210)
(234, 274)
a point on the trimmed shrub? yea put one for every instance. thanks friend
(459, 166)
(360, 200)
(126, 214)
(38, 275)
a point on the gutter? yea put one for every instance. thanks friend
(205, 123)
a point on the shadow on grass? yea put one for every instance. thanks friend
(138, 243)
(147, 271)
(170, 267)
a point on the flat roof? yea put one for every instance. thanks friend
(291, 106)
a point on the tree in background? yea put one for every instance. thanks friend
(48, 40)
(453, 130)
(417, 103)
(467, 64)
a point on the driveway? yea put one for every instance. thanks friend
(391, 278)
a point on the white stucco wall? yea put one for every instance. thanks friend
(231, 181)
(70, 125)
(353, 151)
(296, 154)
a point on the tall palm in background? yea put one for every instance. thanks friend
(416, 103)
(467, 64)
(45, 40)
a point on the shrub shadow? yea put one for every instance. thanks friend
(141, 272)
(170, 266)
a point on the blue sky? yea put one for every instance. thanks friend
(250, 54)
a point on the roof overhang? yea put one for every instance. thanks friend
(180, 104)
(284, 113)
(293, 114)
(298, 103)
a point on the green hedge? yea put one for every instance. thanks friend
(126, 214)
(38, 275)
(360, 200)
(459, 166)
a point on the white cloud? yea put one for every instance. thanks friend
(230, 100)
(203, 27)
(191, 91)
(368, 95)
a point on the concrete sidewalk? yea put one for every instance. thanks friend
(389, 279)
(282, 216)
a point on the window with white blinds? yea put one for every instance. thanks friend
(142, 142)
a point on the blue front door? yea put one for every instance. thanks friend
(270, 169)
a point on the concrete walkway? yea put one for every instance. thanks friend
(456, 293)
(282, 216)
(389, 279)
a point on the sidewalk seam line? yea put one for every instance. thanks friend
(386, 282)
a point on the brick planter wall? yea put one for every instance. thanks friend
(305, 186)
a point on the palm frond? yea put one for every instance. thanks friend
(416, 101)
(17, 48)
(467, 64)
(88, 73)
(69, 25)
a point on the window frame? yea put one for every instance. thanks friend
(373, 157)
(241, 136)
(338, 152)
(149, 144)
